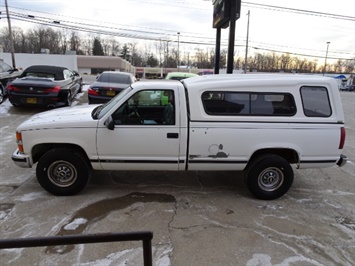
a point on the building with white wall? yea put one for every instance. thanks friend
(23, 61)
(89, 64)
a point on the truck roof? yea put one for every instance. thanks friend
(226, 81)
(254, 77)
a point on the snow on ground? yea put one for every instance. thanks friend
(4, 107)
(75, 224)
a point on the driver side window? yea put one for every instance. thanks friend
(149, 107)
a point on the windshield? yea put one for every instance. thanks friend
(101, 110)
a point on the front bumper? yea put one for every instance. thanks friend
(21, 160)
(342, 160)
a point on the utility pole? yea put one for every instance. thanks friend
(10, 36)
(233, 18)
(218, 51)
(167, 52)
(246, 46)
(178, 53)
(325, 62)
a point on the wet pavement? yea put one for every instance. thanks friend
(197, 218)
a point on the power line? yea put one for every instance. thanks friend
(46, 22)
(157, 34)
(301, 11)
(300, 54)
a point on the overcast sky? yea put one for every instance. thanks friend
(275, 25)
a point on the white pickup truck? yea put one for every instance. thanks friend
(262, 124)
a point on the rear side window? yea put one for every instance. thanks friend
(315, 102)
(249, 103)
(40, 75)
(67, 74)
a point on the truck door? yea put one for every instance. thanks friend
(146, 134)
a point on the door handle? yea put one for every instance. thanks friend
(172, 135)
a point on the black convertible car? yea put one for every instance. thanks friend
(47, 86)
(7, 74)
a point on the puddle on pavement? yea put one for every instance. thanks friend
(99, 210)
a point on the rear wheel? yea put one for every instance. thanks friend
(80, 88)
(69, 99)
(269, 177)
(2, 93)
(63, 172)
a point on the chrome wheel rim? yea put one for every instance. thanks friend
(271, 179)
(1, 94)
(62, 173)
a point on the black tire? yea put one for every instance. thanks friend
(68, 100)
(63, 172)
(80, 88)
(2, 93)
(269, 177)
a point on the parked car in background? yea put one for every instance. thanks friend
(205, 72)
(348, 88)
(108, 84)
(44, 85)
(7, 74)
(179, 75)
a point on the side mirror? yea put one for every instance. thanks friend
(109, 123)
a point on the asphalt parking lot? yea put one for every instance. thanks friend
(196, 218)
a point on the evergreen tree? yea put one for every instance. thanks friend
(152, 61)
(125, 53)
(97, 47)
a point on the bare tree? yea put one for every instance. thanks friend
(87, 44)
(285, 61)
(105, 46)
(59, 41)
(159, 51)
(133, 47)
(349, 66)
(75, 41)
(114, 46)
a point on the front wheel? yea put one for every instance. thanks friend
(269, 177)
(63, 172)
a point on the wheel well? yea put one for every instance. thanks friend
(3, 82)
(288, 154)
(39, 150)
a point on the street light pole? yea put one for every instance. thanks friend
(246, 46)
(178, 61)
(10, 36)
(325, 61)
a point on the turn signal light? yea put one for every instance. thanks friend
(19, 141)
